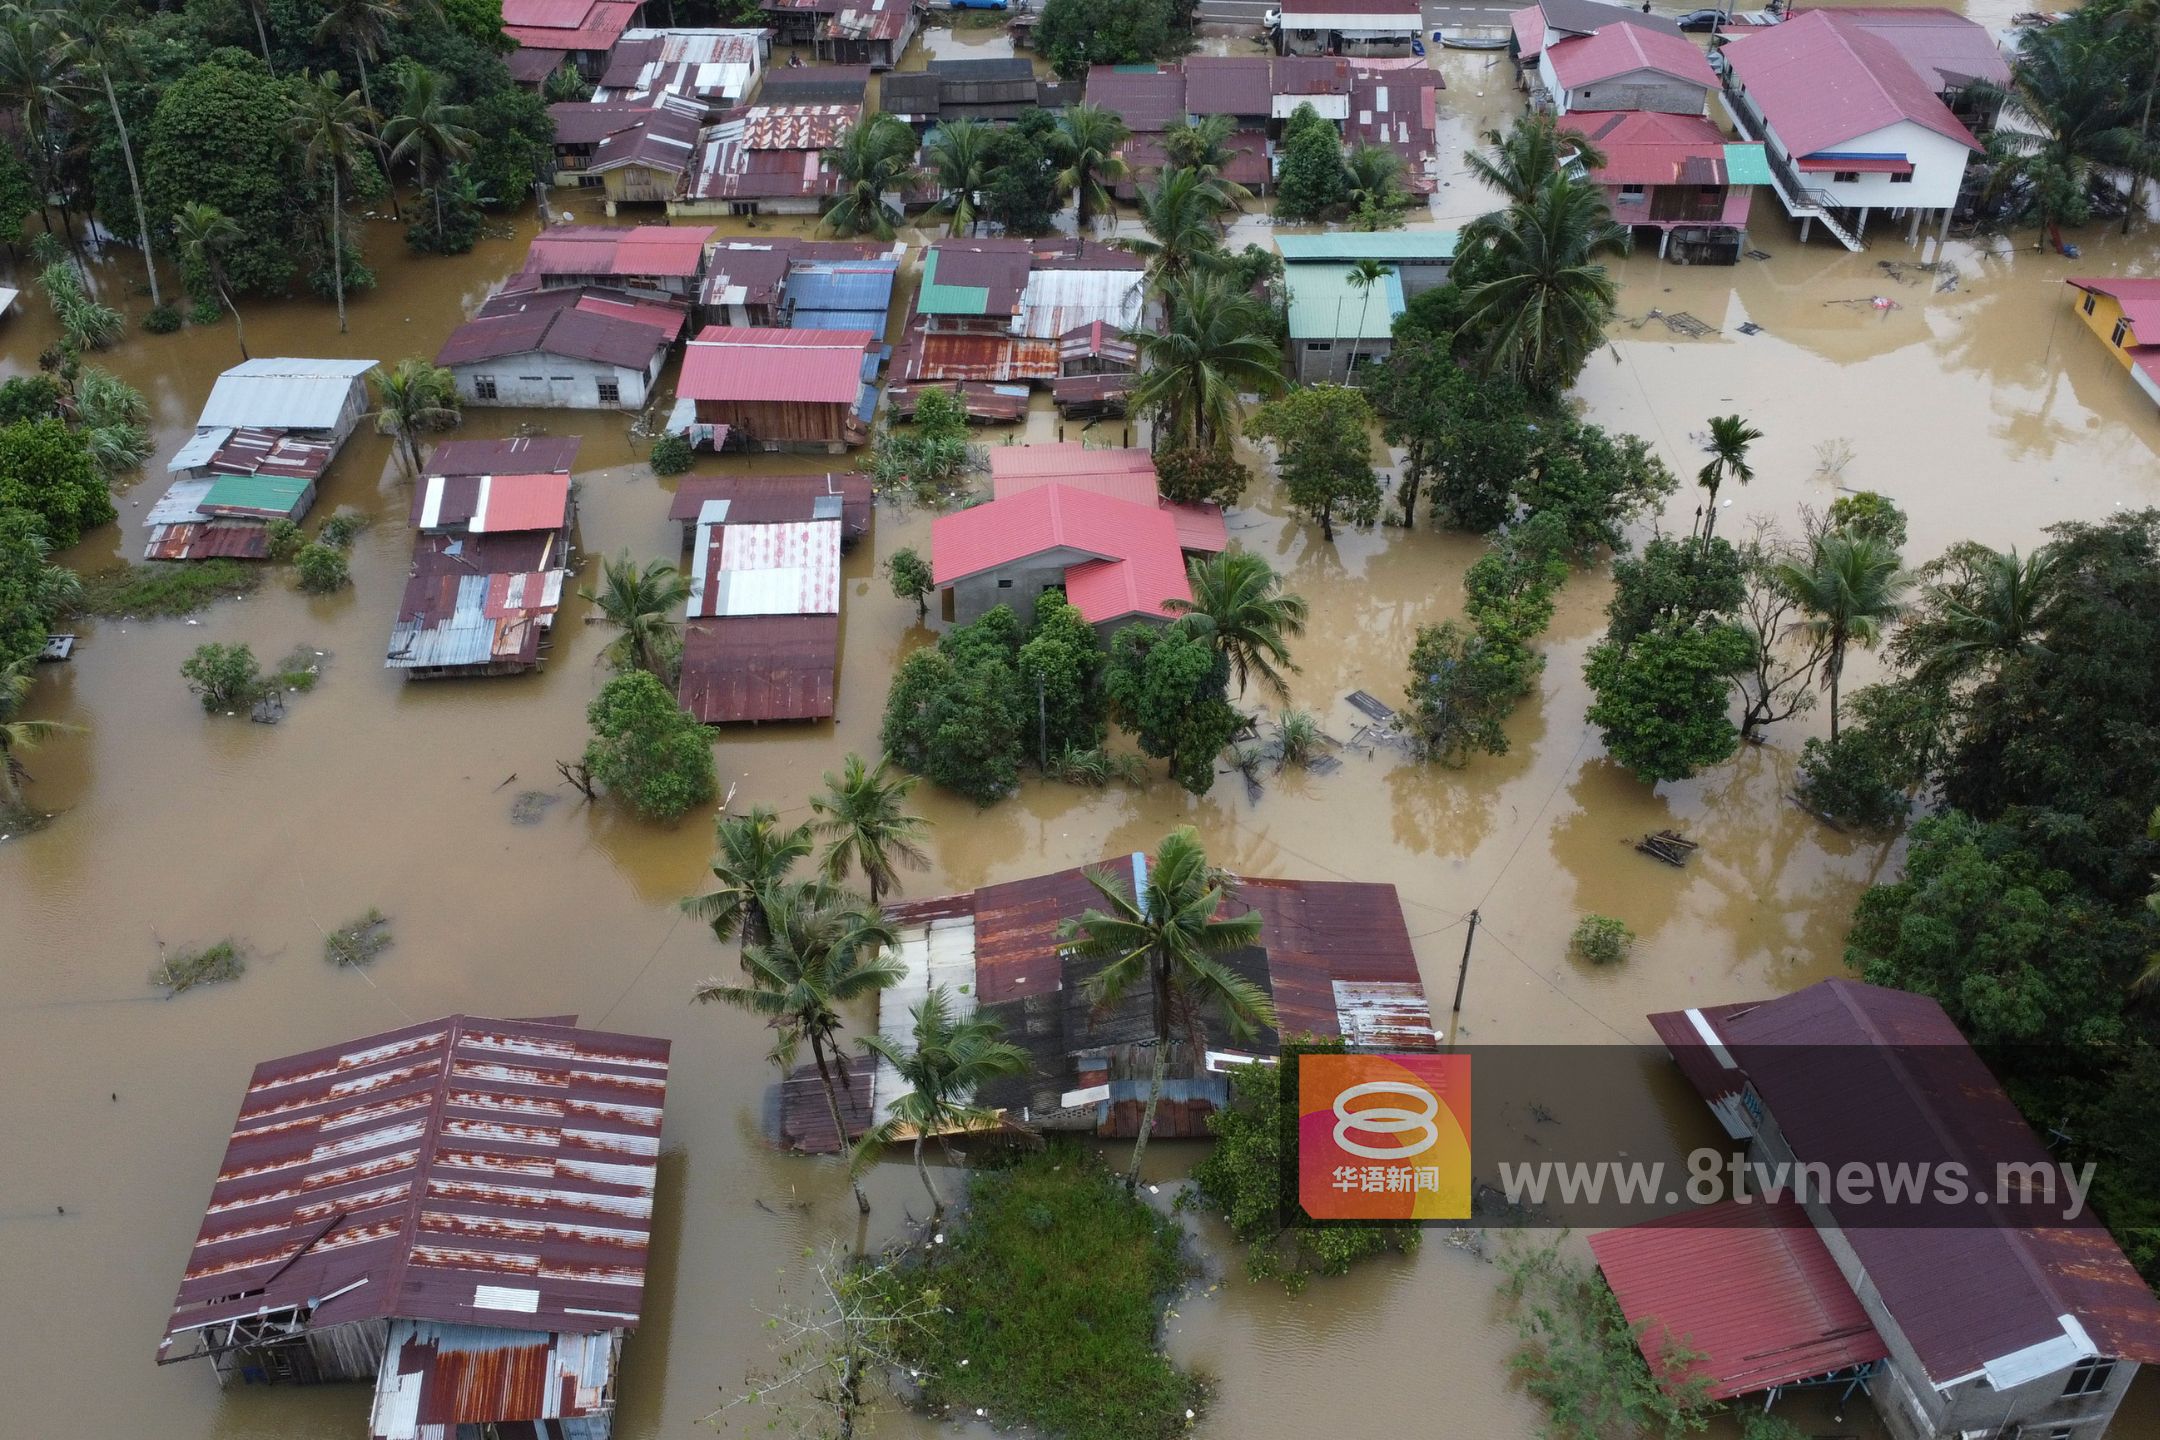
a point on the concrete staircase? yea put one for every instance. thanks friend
(1801, 201)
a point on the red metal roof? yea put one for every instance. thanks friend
(2140, 300)
(1943, 47)
(1758, 1297)
(1121, 474)
(490, 1172)
(1620, 50)
(625, 252)
(760, 667)
(209, 540)
(602, 25)
(581, 324)
(1528, 24)
(1229, 85)
(1644, 147)
(1823, 1062)
(931, 355)
(1820, 83)
(526, 454)
(749, 362)
(1144, 100)
(768, 499)
(522, 502)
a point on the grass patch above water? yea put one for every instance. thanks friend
(1053, 1284)
(360, 942)
(188, 969)
(156, 588)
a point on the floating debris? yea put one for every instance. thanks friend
(1749, 327)
(1669, 846)
(1677, 321)
(225, 960)
(1371, 706)
(360, 942)
(530, 805)
(269, 708)
(57, 647)
(1758, 254)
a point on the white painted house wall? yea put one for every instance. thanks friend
(1938, 168)
(552, 382)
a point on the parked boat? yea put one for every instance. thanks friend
(1470, 40)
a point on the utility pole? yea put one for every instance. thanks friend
(1042, 725)
(1462, 976)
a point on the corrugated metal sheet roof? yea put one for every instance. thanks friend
(1620, 50)
(1646, 148)
(1822, 1061)
(927, 356)
(600, 26)
(788, 568)
(267, 496)
(438, 1377)
(487, 620)
(209, 540)
(846, 295)
(581, 323)
(765, 499)
(272, 452)
(769, 667)
(1751, 1289)
(1145, 99)
(195, 452)
(1943, 47)
(1325, 305)
(973, 277)
(626, 252)
(1057, 301)
(471, 1171)
(1820, 83)
(522, 455)
(747, 362)
(1349, 246)
(283, 393)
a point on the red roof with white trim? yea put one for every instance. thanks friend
(1620, 50)
(1820, 83)
(1127, 557)
(2140, 301)
(755, 362)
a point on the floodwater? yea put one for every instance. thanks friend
(1976, 408)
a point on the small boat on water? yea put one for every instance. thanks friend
(1471, 40)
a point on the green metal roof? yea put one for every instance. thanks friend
(1746, 165)
(1324, 305)
(1346, 245)
(264, 494)
(936, 299)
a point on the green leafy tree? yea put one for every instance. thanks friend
(1374, 188)
(17, 734)
(428, 132)
(29, 397)
(33, 591)
(99, 39)
(1075, 34)
(1595, 482)
(864, 827)
(1023, 194)
(331, 127)
(1730, 438)
(1542, 309)
(875, 157)
(1883, 760)
(646, 749)
(671, 455)
(1180, 230)
(112, 420)
(46, 470)
(1322, 436)
(1061, 667)
(1850, 589)
(204, 234)
(1977, 610)
(1463, 687)
(912, 579)
(1663, 702)
(1202, 144)
(1086, 146)
(480, 21)
(753, 857)
(825, 951)
(1864, 512)
(222, 676)
(361, 28)
(1467, 440)
(2077, 120)
(1312, 182)
(957, 714)
(642, 607)
(1169, 687)
(1213, 347)
(414, 398)
(960, 160)
(516, 148)
(218, 139)
(1167, 943)
(1672, 583)
(949, 1058)
(1780, 682)
(1240, 608)
(322, 568)
(1201, 474)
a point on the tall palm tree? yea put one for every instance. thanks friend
(874, 157)
(331, 127)
(753, 858)
(1170, 939)
(257, 11)
(16, 736)
(1362, 277)
(1997, 606)
(361, 28)
(98, 38)
(1085, 144)
(1547, 300)
(948, 1060)
(641, 606)
(1180, 217)
(34, 84)
(1239, 605)
(1851, 588)
(1212, 347)
(823, 952)
(429, 131)
(1730, 437)
(204, 233)
(1525, 159)
(1377, 194)
(113, 421)
(2076, 119)
(960, 159)
(413, 398)
(860, 819)
(2140, 20)
(1203, 146)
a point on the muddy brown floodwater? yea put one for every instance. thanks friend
(1977, 409)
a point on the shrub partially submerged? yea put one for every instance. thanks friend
(360, 942)
(163, 588)
(188, 969)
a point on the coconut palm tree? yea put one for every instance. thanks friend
(949, 1060)
(97, 37)
(361, 28)
(2140, 21)
(413, 398)
(1525, 159)
(1239, 605)
(1996, 605)
(1203, 147)
(18, 735)
(1180, 215)
(113, 420)
(429, 131)
(258, 12)
(823, 952)
(2076, 121)
(34, 85)
(1362, 277)
(1377, 196)
(204, 233)
(641, 605)
(1085, 144)
(1730, 437)
(331, 126)
(1212, 347)
(1851, 588)
(753, 858)
(874, 158)
(1167, 941)
(960, 158)
(1547, 300)
(860, 819)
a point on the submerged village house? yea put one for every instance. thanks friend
(1676, 174)
(551, 33)
(1593, 56)
(571, 349)
(1987, 1327)
(459, 1211)
(763, 388)
(1334, 957)
(1336, 324)
(491, 555)
(762, 280)
(2117, 310)
(264, 439)
(767, 160)
(845, 32)
(652, 262)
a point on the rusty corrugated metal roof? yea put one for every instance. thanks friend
(760, 667)
(436, 1375)
(767, 499)
(464, 1170)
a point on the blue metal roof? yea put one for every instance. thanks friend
(839, 295)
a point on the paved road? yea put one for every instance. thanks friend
(1438, 16)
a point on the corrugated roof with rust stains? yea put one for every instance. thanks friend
(472, 1171)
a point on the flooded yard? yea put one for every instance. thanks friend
(1975, 406)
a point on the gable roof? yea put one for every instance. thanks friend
(1943, 47)
(1229, 85)
(625, 252)
(1587, 17)
(1134, 562)
(568, 24)
(1644, 147)
(2140, 301)
(379, 1178)
(1858, 1072)
(1820, 83)
(660, 139)
(1349, 246)
(1144, 97)
(575, 322)
(752, 362)
(283, 393)
(1325, 305)
(1620, 50)
(522, 455)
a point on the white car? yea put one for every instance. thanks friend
(1272, 20)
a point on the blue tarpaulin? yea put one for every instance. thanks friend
(851, 295)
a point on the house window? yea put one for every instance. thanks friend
(2122, 330)
(610, 391)
(1318, 347)
(1845, 177)
(1631, 194)
(483, 386)
(2089, 1377)
(1004, 584)
(1904, 179)
(2091, 300)
(945, 605)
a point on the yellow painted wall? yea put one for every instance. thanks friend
(2105, 312)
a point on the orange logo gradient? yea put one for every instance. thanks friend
(1384, 1137)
